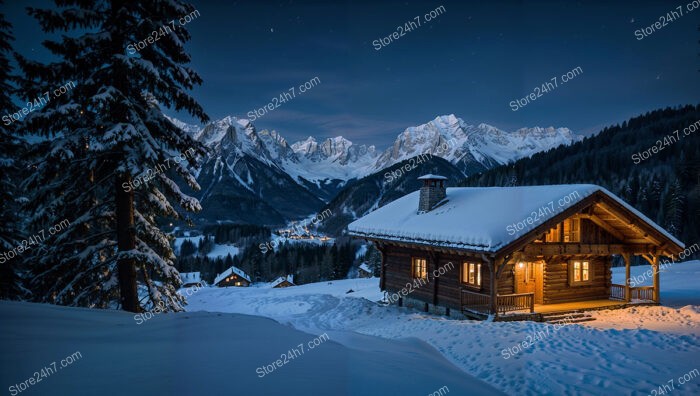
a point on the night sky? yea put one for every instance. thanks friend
(472, 60)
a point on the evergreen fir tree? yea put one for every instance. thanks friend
(675, 209)
(374, 259)
(11, 279)
(187, 248)
(106, 132)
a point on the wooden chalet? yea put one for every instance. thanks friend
(513, 252)
(283, 281)
(233, 276)
(364, 271)
(191, 279)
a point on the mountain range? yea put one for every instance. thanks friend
(256, 176)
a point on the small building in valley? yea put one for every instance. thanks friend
(233, 276)
(512, 251)
(191, 279)
(364, 271)
(283, 281)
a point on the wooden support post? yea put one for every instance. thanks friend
(493, 289)
(655, 268)
(382, 269)
(434, 261)
(628, 291)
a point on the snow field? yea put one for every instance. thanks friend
(630, 351)
(209, 354)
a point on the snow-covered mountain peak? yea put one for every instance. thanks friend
(549, 132)
(469, 147)
(482, 145)
(306, 146)
(190, 129)
(277, 146)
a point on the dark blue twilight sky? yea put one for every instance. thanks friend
(471, 61)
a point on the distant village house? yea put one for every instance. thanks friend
(283, 281)
(233, 276)
(364, 271)
(191, 279)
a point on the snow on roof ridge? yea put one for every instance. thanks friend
(289, 278)
(489, 211)
(430, 176)
(229, 271)
(191, 276)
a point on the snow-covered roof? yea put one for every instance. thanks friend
(365, 267)
(288, 278)
(479, 218)
(190, 277)
(432, 177)
(228, 272)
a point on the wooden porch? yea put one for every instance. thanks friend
(522, 306)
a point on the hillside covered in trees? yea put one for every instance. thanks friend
(664, 185)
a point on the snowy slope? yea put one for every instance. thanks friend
(630, 351)
(209, 354)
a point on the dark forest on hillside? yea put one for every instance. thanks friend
(665, 187)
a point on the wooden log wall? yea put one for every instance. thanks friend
(556, 280)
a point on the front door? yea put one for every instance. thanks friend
(528, 278)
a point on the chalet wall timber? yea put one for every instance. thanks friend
(562, 262)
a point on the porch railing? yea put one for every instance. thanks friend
(643, 293)
(617, 292)
(481, 303)
(515, 302)
(476, 302)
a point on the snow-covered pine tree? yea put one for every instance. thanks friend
(374, 259)
(10, 269)
(675, 208)
(105, 136)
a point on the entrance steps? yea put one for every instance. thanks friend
(566, 317)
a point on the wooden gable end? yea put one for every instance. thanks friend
(606, 227)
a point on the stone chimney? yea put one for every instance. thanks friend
(432, 192)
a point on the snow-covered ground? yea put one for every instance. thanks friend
(370, 349)
(207, 354)
(631, 351)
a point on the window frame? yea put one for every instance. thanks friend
(466, 275)
(585, 268)
(573, 234)
(414, 260)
